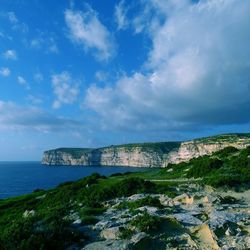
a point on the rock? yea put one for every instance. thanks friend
(206, 238)
(219, 218)
(185, 239)
(101, 225)
(139, 155)
(187, 218)
(112, 233)
(77, 222)
(165, 200)
(137, 237)
(205, 199)
(184, 198)
(149, 210)
(28, 213)
(136, 197)
(108, 245)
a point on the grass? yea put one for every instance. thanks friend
(147, 223)
(47, 230)
(147, 201)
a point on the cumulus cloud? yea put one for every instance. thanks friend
(198, 71)
(5, 72)
(38, 77)
(44, 42)
(86, 29)
(14, 22)
(10, 54)
(65, 89)
(21, 80)
(121, 15)
(19, 118)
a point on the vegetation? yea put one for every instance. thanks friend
(147, 201)
(43, 219)
(147, 222)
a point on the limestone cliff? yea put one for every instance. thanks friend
(144, 154)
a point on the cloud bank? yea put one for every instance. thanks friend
(197, 71)
(20, 118)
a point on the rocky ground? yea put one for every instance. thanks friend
(197, 218)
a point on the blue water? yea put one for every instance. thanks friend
(18, 178)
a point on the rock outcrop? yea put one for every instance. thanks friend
(145, 154)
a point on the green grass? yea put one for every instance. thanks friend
(147, 223)
(47, 229)
(147, 201)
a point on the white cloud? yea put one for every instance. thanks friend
(101, 76)
(65, 89)
(45, 42)
(86, 29)
(10, 54)
(198, 71)
(12, 17)
(21, 80)
(14, 22)
(34, 100)
(38, 77)
(121, 15)
(5, 72)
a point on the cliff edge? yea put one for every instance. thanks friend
(158, 154)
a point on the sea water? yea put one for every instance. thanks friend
(17, 178)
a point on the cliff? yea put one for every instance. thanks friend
(144, 154)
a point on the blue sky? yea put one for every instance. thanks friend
(94, 73)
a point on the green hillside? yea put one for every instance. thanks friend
(43, 219)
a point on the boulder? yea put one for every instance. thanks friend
(108, 245)
(184, 199)
(112, 233)
(187, 218)
(28, 213)
(206, 237)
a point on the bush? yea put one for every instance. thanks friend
(226, 151)
(147, 223)
(147, 201)
(203, 166)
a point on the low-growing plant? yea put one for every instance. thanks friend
(147, 201)
(147, 223)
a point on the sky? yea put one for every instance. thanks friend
(91, 73)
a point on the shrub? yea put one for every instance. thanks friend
(147, 201)
(147, 223)
(226, 151)
(203, 166)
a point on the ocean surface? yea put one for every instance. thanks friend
(17, 178)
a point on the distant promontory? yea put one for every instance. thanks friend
(158, 154)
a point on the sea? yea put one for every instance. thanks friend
(18, 178)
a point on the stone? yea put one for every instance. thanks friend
(165, 200)
(77, 222)
(187, 218)
(184, 198)
(137, 237)
(149, 210)
(108, 245)
(206, 238)
(28, 213)
(112, 233)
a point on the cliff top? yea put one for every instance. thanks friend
(163, 147)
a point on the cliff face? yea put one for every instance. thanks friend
(144, 155)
